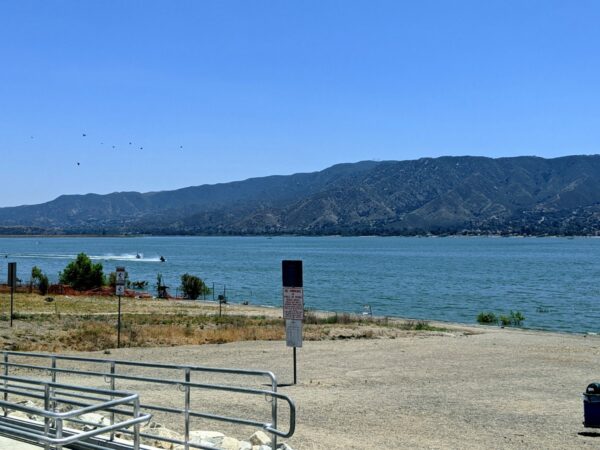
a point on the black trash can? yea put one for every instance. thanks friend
(591, 406)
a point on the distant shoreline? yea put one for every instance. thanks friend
(302, 235)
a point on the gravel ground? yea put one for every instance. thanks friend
(486, 388)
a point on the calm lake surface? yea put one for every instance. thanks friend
(553, 281)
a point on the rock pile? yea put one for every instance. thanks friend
(258, 441)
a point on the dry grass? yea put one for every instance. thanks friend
(83, 323)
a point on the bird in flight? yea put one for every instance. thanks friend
(84, 135)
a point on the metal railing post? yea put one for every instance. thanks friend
(53, 421)
(136, 427)
(5, 381)
(274, 412)
(59, 429)
(46, 419)
(53, 375)
(53, 367)
(112, 388)
(187, 409)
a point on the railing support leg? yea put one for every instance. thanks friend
(46, 419)
(5, 381)
(187, 409)
(136, 427)
(112, 388)
(54, 381)
(274, 413)
(59, 434)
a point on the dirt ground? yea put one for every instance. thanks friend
(487, 388)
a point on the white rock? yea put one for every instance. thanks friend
(260, 438)
(94, 418)
(245, 445)
(261, 447)
(210, 436)
(159, 431)
(284, 446)
(197, 442)
(19, 415)
(30, 404)
(229, 443)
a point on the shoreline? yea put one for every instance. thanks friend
(259, 309)
(455, 326)
(457, 235)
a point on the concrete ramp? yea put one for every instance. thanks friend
(11, 444)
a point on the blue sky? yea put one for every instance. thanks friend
(254, 88)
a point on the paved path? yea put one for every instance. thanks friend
(9, 444)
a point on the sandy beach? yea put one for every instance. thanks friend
(470, 388)
(376, 387)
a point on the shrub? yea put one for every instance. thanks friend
(516, 318)
(422, 326)
(139, 284)
(43, 284)
(192, 286)
(487, 317)
(505, 321)
(39, 280)
(82, 274)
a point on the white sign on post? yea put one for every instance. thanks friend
(293, 333)
(293, 303)
(120, 277)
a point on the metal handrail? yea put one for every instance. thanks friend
(266, 373)
(58, 418)
(186, 385)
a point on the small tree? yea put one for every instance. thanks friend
(39, 280)
(43, 284)
(192, 286)
(82, 274)
(36, 273)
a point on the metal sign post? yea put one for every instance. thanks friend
(121, 275)
(293, 305)
(12, 281)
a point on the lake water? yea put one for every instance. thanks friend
(553, 281)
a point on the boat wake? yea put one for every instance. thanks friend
(137, 257)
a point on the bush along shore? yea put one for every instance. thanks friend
(514, 319)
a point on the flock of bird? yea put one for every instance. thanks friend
(114, 146)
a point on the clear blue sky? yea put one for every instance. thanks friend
(254, 88)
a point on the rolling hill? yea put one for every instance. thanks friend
(447, 195)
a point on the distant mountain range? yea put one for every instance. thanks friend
(447, 195)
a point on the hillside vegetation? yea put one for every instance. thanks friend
(447, 195)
